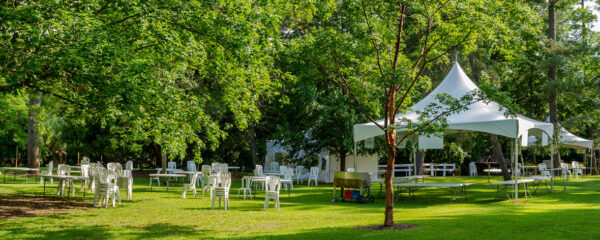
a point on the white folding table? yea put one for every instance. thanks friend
(451, 187)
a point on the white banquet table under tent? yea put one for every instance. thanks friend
(570, 140)
(479, 116)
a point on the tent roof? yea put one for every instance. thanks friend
(571, 140)
(479, 116)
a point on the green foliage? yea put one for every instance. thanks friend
(13, 123)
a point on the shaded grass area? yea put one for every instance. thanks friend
(310, 214)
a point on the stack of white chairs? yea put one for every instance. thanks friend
(273, 166)
(64, 170)
(209, 182)
(93, 172)
(577, 170)
(85, 172)
(220, 189)
(48, 172)
(472, 169)
(273, 185)
(314, 176)
(299, 170)
(191, 167)
(246, 188)
(126, 181)
(106, 188)
(191, 186)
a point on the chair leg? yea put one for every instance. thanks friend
(195, 195)
(184, 191)
(266, 202)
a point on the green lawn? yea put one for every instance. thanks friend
(310, 214)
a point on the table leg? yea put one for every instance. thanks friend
(167, 185)
(44, 186)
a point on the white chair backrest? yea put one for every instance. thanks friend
(351, 170)
(129, 165)
(194, 178)
(50, 167)
(298, 170)
(542, 167)
(282, 170)
(172, 165)
(223, 168)
(273, 184)
(574, 164)
(472, 165)
(85, 160)
(127, 173)
(215, 167)
(564, 165)
(289, 173)
(205, 173)
(63, 170)
(314, 171)
(258, 171)
(85, 170)
(225, 180)
(191, 166)
(273, 166)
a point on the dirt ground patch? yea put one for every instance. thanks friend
(20, 206)
(397, 227)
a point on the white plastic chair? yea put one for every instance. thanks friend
(258, 171)
(543, 170)
(273, 185)
(156, 178)
(191, 185)
(129, 165)
(577, 171)
(106, 188)
(48, 172)
(564, 170)
(64, 170)
(282, 170)
(215, 167)
(314, 176)
(190, 167)
(298, 171)
(206, 170)
(472, 169)
(287, 180)
(221, 190)
(211, 182)
(126, 181)
(273, 166)
(246, 188)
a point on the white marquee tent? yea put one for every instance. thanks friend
(480, 117)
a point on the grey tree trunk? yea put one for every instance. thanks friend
(33, 147)
(498, 156)
(253, 144)
(552, 75)
(419, 160)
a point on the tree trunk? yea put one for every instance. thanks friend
(552, 76)
(498, 156)
(419, 161)
(390, 139)
(33, 147)
(253, 144)
(342, 154)
(594, 163)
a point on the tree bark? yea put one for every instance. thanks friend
(342, 154)
(419, 161)
(253, 144)
(498, 156)
(390, 137)
(552, 75)
(33, 146)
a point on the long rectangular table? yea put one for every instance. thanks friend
(399, 180)
(508, 183)
(68, 178)
(159, 175)
(451, 187)
(17, 169)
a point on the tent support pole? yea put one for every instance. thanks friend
(552, 165)
(355, 163)
(515, 166)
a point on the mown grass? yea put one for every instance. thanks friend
(310, 214)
